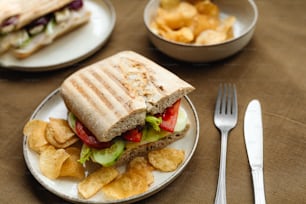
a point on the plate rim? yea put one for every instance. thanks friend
(75, 60)
(132, 199)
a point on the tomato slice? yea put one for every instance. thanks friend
(87, 137)
(170, 117)
(133, 135)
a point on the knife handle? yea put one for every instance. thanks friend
(258, 183)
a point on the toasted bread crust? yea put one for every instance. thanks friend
(115, 94)
(143, 150)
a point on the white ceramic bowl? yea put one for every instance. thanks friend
(246, 14)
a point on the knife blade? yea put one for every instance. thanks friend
(253, 135)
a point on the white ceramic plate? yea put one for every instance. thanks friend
(53, 106)
(72, 47)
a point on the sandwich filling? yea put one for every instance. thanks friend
(173, 119)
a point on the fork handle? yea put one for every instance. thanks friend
(221, 189)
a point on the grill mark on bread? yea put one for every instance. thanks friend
(159, 87)
(102, 98)
(115, 79)
(106, 81)
(76, 85)
(99, 107)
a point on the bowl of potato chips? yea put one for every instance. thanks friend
(200, 30)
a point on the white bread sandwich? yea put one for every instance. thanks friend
(37, 23)
(124, 106)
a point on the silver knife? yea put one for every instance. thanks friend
(253, 133)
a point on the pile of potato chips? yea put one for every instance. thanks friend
(192, 21)
(52, 141)
(59, 153)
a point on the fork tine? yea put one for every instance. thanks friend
(235, 101)
(224, 99)
(229, 99)
(219, 97)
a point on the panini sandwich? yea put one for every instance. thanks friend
(28, 25)
(124, 106)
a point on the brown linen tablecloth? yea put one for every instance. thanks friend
(271, 68)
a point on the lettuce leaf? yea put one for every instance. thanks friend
(86, 153)
(154, 121)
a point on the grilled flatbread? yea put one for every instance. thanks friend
(115, 94)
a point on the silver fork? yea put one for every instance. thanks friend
(225, 119)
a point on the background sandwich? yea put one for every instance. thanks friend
(125, 106)
(9, 12)
(37, 23)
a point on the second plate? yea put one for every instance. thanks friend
(72, 47)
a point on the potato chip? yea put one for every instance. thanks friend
(204, 22)
(96, 180)
(71, 167)
(184, 35)
(128, 184)
(51, 161)
(180, 16)
(134, 181)
(207, 8)
(167, 159)
(169, 4)
(192, 22)
(140, 163)
(61, 130)
(56, 129)
(35, 131)
(222, 33)
(141, 166)
(209, 37)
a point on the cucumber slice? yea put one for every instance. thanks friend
(107, 157)
(71, 121)
(181, 120)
